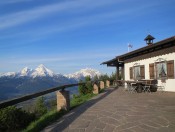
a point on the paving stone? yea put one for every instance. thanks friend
(126, 126)
(89, 117)
(90, 127)
(148, 128)
(150, 123)
(100, 125)
(97, 130)
(109, 128)
(72, 130)
(170, 128)
(161, 121)
(117, 117)
(109, 120)
(81, 130)
(83, 124)
(124, 130)
(133, 118)
(138, 129)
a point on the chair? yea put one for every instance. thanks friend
(161, 87)
(146, 86)
(131, 87)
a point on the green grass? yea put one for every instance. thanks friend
(44, 120)
(53, 115)
(80, 99)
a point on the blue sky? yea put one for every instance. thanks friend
(68, 35)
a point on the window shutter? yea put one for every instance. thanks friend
(151, 71)
(142, 72)
(131, 72)
(170, 69)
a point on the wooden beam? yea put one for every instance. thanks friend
(34, 95)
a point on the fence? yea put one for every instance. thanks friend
(63, 101)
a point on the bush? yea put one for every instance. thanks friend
(89, 88)
(44, 121)
(80, 99)
(13, 119)
(82, 88)
(85, 88)
(40, 108)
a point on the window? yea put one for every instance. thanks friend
(161, 70)
(137, 72)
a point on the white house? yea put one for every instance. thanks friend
(154, 61)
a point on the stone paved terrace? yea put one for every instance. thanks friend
(117, 110)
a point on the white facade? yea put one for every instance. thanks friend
(170, 83)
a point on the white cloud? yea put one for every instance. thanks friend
(13, 1)
(42, 11)
(78, 57)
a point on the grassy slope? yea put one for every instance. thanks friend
(53, 115)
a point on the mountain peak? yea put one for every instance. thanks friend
(25, 72)
(41, 66)
(83, 73)
(41, 70)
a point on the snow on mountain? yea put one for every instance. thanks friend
(41, 70)
(25, 72)
(83, 73)
(8, 74)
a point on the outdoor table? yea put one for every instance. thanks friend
(140, 83)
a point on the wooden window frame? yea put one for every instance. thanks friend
(141, 71)
(170, 69)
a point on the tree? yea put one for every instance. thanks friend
(82, 88)
(40, 108)
(14, 119)
(104, 77)
(96, 78)
(87, 78)
(113, 76)
(86, 88)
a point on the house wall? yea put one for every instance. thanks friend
(169, 85)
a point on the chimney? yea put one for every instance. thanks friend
(149, 39)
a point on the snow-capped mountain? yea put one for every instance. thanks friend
(8, 74)
(83, 73)
(25, 72)
(26, 81)
(40, 71)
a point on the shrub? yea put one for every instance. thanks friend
(85, 88)
(40, 108)
(13, 119)
(89, 87)
(82, 88)
(44, 121)
(79, 99)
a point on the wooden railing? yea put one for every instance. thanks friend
(34, 95)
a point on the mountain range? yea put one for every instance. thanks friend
(26, 81)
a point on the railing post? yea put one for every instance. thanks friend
(107, 83)
(63, 100)
(95, 89)
(102, 86)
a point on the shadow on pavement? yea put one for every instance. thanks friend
(67, 119)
